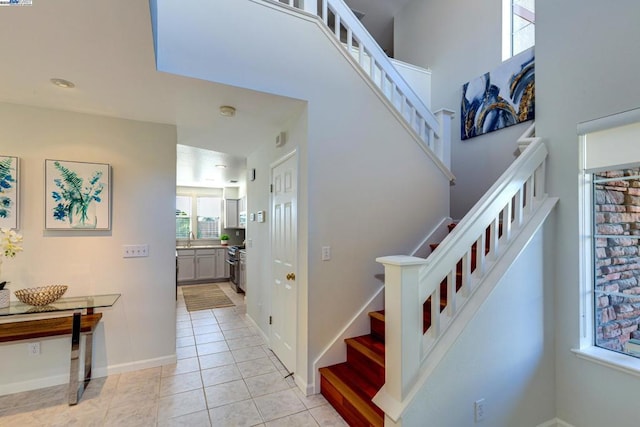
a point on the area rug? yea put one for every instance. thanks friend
(205, 297)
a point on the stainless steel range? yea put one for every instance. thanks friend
(233, 259)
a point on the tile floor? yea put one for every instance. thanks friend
(225, 376)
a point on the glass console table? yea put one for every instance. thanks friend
(82, 321)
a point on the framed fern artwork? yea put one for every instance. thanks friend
(9, 192)
(77, 195)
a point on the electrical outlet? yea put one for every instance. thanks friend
(326, 253)
(33, 348)
(479, 409)
(135, 251)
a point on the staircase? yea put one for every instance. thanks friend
(350, 386)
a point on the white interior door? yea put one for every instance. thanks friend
(284, 308)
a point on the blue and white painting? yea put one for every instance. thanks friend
(8, 192)
(500, 98)
(77, 195)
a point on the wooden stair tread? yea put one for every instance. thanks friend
(41, 328)
(379, 315)
(351, 395)
(368, 346)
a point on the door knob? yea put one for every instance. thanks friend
(291, 276)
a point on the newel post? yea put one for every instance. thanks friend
(310, 6)
(443, 144)
(403, 324)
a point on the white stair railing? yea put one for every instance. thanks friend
(355, 38)
(410, 282)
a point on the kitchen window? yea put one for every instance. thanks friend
(198, 216)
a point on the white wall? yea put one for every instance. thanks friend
(459, 40)
(139, 331)
(587, 62)
(371, 190)
(505, 356)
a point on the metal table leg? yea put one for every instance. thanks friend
(75, 387)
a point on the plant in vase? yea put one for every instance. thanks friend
(75, 199)
(10, 246)
(224, 239)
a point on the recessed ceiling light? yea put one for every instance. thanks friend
(227, 111)
(65, 84)
(221, 166)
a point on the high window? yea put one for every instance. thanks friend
(518, 26)
(198, 215)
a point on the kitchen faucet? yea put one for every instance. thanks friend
(191, 236)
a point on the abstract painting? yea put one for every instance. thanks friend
(9, 185)
(77, 195)
(500, 98)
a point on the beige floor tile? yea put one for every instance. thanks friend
(182, 366)
(210, 337)
(186, 352)
(252, 368)
(180, 383)
(184, 332)
(196, 419)
(223, 394)
(278, 405)
(244, 342)
(206, 329)
(237, 414)
(248, 353)
(202, 314)
(185, 341)
(266, 384)
(212, 347)
(142, 415)
(327, 416)
(203, 322)
(301, 419)
(214, 360)
(219, 375)
(238, 323)
(239, 333)
(312, 401)
(142, 392)
(181, 404)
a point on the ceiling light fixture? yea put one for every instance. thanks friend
(227, 111)
(65, 84)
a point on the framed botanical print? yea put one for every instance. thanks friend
(9, 192)
(77, 195)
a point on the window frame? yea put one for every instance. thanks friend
(194, 193)
(587, 167)
(507, 30)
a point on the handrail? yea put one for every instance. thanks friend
(376, 64)
(456, 268)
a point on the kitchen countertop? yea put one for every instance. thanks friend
(202, 247)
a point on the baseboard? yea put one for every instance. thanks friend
(262, 334)
(556, 422)
(55, 380)
(336, 351)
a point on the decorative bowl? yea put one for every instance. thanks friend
(40, 296)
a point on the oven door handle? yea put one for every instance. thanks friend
(231, 262)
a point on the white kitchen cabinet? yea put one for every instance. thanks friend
(231, 213)
(202, 264)
(206, 264)
(242, 212)
(222, 268)
(186, 265)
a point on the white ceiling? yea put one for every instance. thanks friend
(106, 49)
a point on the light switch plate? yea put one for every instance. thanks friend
(135, 251)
